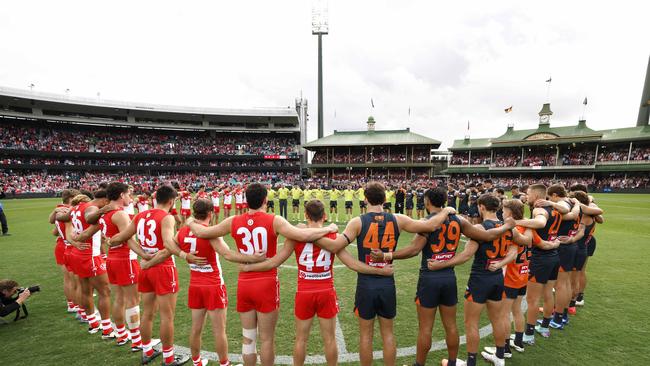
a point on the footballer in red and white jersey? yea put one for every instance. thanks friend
(227, 199)
(244, 203)
(315, 294)
(239, 199)
(215, 197)
(201, 194)
(206, 290)
(253, 232)
(161, 278)
(121, 264)
(142, 203)
(186, 203)
(154, 203)
(86, 262)
(130, 209)
(61, 242)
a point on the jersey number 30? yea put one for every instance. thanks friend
(253, 241)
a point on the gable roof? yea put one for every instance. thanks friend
(372, 138)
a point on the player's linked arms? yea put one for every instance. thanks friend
(537, 222)
(470, 248)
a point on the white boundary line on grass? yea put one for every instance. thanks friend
(343, 357)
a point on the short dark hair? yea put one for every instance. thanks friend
(557, 189)
(255, 195)
(581, 196)
(100, 193)
(87, 193)
(488, 181)
(68, 194)
(514, 186)
(500, 190)
(437, 196)
(103, 185)
(375, 193)
(540, 188)
(115, 190)
(489, 201)
(165, 194)
(578, 187)
(315, 210)
(201, 208)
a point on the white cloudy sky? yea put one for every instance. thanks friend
(448, 61)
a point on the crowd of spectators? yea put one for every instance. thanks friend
(640, 153)
(374, 155)
(121, 140)
(15, 183)
(576, 157)
(144, 163)
(539, 160)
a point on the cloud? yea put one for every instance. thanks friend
(447, 62)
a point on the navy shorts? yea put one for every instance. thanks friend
(473, 211)
(409, 205)
(581, 258)
(513, 293)
(543, 269)
(333, 204)
(295, 203)
(591, 246)
(270, 204)
(420, 206)
(399, 207)
(387, 205)
(434, 290)
(348, 204)
(463, 209)
(362, 204)
(567, 256)
(370, 302)
(486, 287)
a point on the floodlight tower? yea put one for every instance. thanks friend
(320, 27)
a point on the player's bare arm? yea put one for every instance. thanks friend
(63, 216)
(599, 219)
(69, 232)
(92, 214)
(537, 222)
(424, 226)
(121, 220)
(591, 210)
(159, 257)
(360, 267)
(220, 246)
(306, 235)
(86, 234)
(417, 244)
(477, 232)
(461, 258)
(573, 214)
(560, 207)
(352, 230)
(123, 235)
(169, 241)
(280, 257)
(510, 256)
(525, 239)
(56, 211)
(210, 232)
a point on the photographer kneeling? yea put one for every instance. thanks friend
(10, 303)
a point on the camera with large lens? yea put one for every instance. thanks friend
(32, 289)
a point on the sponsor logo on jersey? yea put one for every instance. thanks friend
(443, 256)
(205, 268)
(523, 269)
(314, 275)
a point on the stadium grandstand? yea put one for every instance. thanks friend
(609, 160)
(375, 154)
(49, 142)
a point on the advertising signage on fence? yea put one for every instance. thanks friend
(275, 157)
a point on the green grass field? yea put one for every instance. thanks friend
(613, 327)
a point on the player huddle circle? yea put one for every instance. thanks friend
(100, 237)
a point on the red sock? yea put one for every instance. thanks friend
(107, 328)
(197, 360)
(147, 349)
(136, 341)
(92, 321)
(225, 362)
(168, 354)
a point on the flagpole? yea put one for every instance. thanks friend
(548, 89)
(584, 109)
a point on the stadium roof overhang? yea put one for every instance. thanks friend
(50, 104)
(546, 135)
(372, 138)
